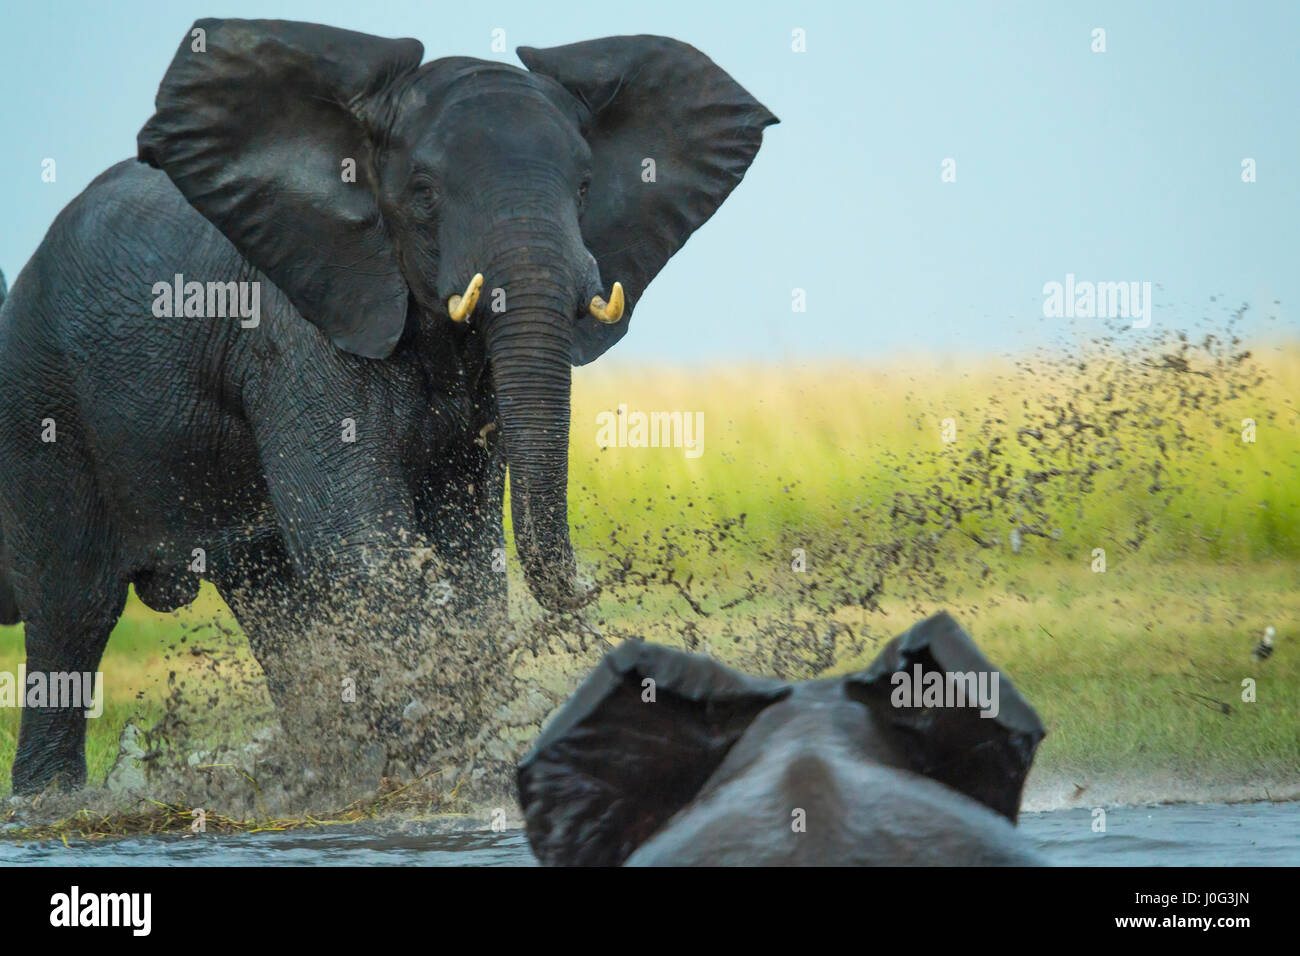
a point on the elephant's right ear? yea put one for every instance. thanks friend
(257, 123)
(632, 746)
(985, 753)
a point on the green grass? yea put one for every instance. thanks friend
(1127, 667)
(800, 447)
(1123, 667)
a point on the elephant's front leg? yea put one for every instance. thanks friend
(344, 511)
(355, 634)
(459, 510)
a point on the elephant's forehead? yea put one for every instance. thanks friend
(818, 714)
(811, 720)
(454, 85)
(508, 115)
(811, 713)
(826, 689)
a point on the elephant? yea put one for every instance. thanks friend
(667, 758)
(310, 326)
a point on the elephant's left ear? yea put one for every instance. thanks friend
(671, 135)
(630, 748)
(983, 752)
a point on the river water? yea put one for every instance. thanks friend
(1245, 834)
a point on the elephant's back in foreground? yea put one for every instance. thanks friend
(821, 806)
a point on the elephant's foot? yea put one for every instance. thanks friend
(51, 754)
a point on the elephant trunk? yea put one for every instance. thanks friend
(530, 350)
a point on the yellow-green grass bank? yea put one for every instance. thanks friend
(1143, 668)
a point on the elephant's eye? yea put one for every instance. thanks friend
(424, 194)
(582, 192)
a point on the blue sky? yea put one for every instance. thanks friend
(1123, 165)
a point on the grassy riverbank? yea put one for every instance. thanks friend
(1133, 671)
(1137, 668)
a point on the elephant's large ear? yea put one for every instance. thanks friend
(255, 122)
(655, 101)
(986, 758)
(632, 746)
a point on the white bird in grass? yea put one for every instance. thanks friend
(1265, 647)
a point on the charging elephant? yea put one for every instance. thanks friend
(668, 758)
(337, 296)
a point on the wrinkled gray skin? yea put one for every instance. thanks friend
(195, 432)
(724, 770)
(825, 755)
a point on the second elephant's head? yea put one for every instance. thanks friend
(534, 205)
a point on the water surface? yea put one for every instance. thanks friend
(1250, 834)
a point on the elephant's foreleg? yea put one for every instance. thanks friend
(460, 511)
(63, 655)
(258, 587)
(63, 555)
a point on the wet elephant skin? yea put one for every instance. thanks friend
(720, 768)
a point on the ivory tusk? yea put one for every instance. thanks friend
(611, 311)
(460, 306)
